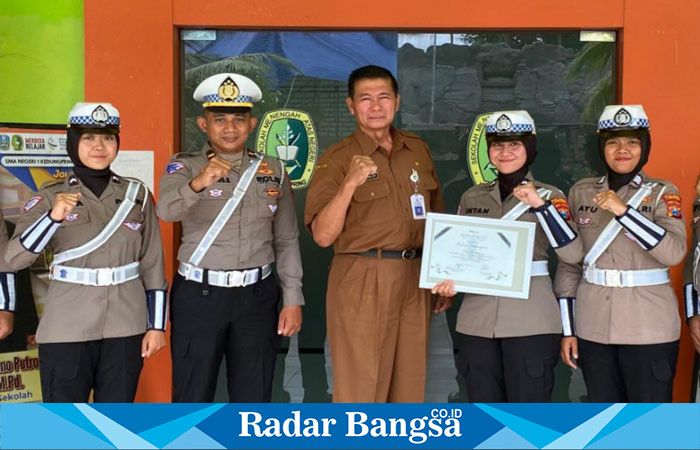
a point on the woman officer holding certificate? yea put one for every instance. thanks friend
(105, 309)
(508, 347)
(632, 230)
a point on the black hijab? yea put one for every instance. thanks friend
(617, 180)
(508, 182)
(95, 180)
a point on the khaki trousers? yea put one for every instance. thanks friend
(378, 321)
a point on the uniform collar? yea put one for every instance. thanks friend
(636, 181)
(492, 187)
(72, 181)
(369, 146)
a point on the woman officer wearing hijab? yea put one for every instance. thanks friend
(508, 347)
(105, 309)
(626, 310)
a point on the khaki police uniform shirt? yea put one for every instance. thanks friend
(636, 315)
(263, 228)
(498, 317)
(380, 214)
(78, 313)
(691, 271)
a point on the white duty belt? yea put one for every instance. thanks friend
(225, 213)
(621, 278)
(225, 278)
(626, 278)
(539, 268)
(106, 276)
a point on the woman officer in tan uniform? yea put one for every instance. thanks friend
(632, 230)
(508, 347)
(107, 285)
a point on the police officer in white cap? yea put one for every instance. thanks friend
(106, 307)
(237, 214)
(508, 347)
(625, 308)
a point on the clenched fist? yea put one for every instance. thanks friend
(527, 194)
(215, 169)
(609, 201)
(64, 204)
(360, 168)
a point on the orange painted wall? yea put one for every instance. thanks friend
(131, 59)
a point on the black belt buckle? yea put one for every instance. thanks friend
(409, 253)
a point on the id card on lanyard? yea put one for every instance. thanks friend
(417, 200)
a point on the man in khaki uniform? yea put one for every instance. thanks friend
(224, 298)
(691, 274)
(368, 198)
(8, 287)
(626, 310)
(102, 297)
(508, 347)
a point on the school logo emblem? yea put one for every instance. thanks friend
(4, 142)
(17, 142)
(480, 168)
(72, 217)
(289, 135)
(216, 193)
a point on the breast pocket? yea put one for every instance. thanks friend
(268, 195)
(211, 201)
(131, 227)
(372, 203)
(427, 187)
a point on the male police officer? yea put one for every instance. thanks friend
(369, 197)
(237, 215)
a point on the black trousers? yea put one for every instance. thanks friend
(517, 369)
(628, 373)
(240, 323)
(111, 367)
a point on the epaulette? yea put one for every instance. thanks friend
(50, 184)
(182, 155)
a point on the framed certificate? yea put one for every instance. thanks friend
(482, 256)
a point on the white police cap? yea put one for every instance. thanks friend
(228, 89)
(94, 115)
(623, 118)
(509, 124)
